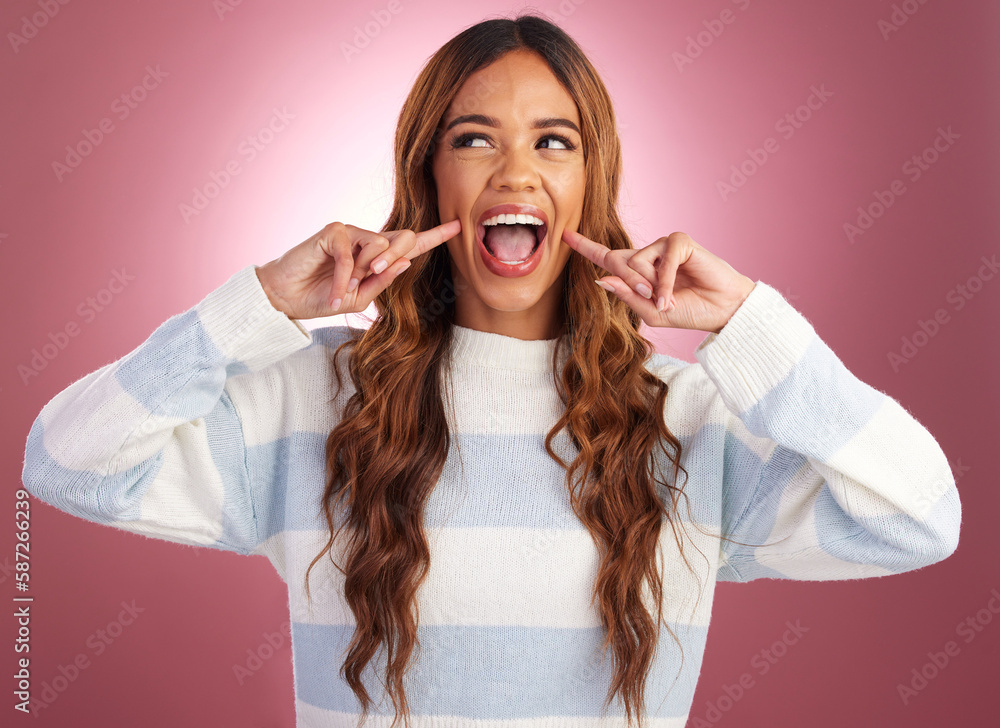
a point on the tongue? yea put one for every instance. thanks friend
(510, 242)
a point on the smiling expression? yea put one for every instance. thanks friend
(510, 138)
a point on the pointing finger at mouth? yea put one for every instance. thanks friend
(420, 243)
(594, 252)
(427, 239)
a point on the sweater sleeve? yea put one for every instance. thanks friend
(834, 478)
(152, 443)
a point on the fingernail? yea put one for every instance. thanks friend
(379, 266)
(606, 286)
(352, 284)
(336, 304)
(660, 303)
(404, 267)
(643, 290)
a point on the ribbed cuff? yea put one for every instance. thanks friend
(245, 326)
(756, 349)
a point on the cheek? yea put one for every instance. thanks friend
(566, 255)
(453, 189)
(444, 181)
(568, 189)
(456, 251)
(458, 260)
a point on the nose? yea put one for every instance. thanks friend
(516, 170)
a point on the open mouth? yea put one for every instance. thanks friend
(510, 238)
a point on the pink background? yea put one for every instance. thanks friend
(61, 241)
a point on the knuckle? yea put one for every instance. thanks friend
(680, 240)
(342, 253)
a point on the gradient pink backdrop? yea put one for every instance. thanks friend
(61, 241)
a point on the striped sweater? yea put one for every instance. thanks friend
(212, 433)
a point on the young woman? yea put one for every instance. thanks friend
(482, 521)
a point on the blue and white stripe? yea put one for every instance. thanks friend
(212, 433)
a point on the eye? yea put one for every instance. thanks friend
(567, 144)
(461, 139)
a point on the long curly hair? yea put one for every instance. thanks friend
(387, 451)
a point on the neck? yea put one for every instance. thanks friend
(515, 324)
(540, 321)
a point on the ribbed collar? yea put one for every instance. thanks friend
(471, 346)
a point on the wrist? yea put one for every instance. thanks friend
(263, 278)
(747, 288)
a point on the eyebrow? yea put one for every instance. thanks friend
(493, 122)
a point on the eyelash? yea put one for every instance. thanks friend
(461, 139)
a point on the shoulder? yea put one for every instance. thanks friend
(301, 370)
(319, 354)
(330, 337)
(677, 373)
(296, 394)
(693, 399)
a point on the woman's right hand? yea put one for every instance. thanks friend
(331, 272)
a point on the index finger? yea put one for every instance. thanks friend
(595, 252)
(428, 239)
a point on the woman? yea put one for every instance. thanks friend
(503, 462)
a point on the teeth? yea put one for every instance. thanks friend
(512, 219)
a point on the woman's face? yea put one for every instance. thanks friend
(510, 137)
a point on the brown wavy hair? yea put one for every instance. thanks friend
(386, 453)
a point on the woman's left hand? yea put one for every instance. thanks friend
(700, 290)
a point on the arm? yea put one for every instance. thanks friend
(835, 476)
(153, 443)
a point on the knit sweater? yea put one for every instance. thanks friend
(212, 433)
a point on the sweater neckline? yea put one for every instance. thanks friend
(484, 348)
